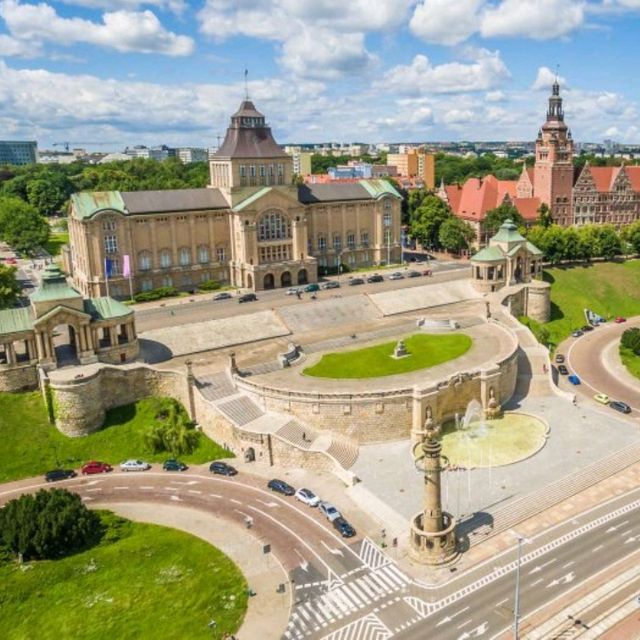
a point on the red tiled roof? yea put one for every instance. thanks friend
(527, 207)
(634, 177)
(454, 192)
(479, 195)
(603, 177)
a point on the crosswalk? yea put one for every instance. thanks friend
(344, 599)
(368, 628)
(371, 555)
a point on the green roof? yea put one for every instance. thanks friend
(488, 254)
(106, 308)
(54, 286)
(252, 198)
(379, 188)
(87, 203)
(508, 232)
(533, 249)
(14, 320)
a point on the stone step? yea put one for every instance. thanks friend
(296, 434)
(240, 410)
(216, 386)
(345, 453)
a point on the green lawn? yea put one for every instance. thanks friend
(373, 362)
(30, 445)
(609, 288)
(141, 581)
(56, 241)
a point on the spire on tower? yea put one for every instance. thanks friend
(246, 84)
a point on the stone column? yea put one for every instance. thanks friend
(191, 382)
(113, 336)
(40, 346)
(81, 345)
(11, 353)
(88, 337)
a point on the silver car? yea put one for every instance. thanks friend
(135, 465)
(328, 511)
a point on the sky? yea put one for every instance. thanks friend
(125, 72)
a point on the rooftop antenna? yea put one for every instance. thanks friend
(246, 84)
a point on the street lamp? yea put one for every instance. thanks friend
(516, 606)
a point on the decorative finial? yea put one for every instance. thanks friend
(246, 84)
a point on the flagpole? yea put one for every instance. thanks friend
(106, 274)
(130, 286)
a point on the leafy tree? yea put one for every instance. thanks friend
(49, 524)
(172, 432)
(495, 217)
(554, 246)
(426, 220)
(631, 234)
(589, 242)
(544, 215)
(46, 196)
(415, 198)
(21, 225)
(571, 244)
(630, 339)
(9, 287)
(455, 234)
(610, 245)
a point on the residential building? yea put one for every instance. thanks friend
(414, 164)
(301, 163)
(149, 153)
(192, 154)
(252, 227)
(18, 152)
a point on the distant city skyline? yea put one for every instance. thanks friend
(172, 71)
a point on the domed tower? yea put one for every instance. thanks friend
(553, 175)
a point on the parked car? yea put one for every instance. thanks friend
(620, 320)
(248, 297)
(355, 281)
(376, 277)
(95, 467)
(427, 272)
(559, 358)
(134, 465)
(344, 528)
(328, 511)
(222, 468)
(396, 276)
(602, 398)
(223, 295)
(587, 327)
(413, 274)
(11, 261)
(280, 486)
(562, 370)
(174, 465)
(292, 291)
(59, 474)
(331, 284)
(622, 407)
(577, 333)
(307, 497)
(573, 379)
(312, 288)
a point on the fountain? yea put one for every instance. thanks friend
(493, 406)
(400, 350)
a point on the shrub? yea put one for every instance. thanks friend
(209, 285)
(172, 432)
(631, 339)
(156, 294)
(50, 524)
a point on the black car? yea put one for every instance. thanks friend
(559, 358)
(331, 284)
(587, 327)
(562, 370)
(414, 274)
(375, 278)
(355, 281)
(280, 486)
(622, 407)
(248, 297)
(222, 469)
(344, 528)
(59, 474)
(174, 465)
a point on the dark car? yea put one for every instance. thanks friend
(174, 465)
(559, 358)
(376, 277)
(280, 486)
(95, 467)
(620, 406)
(59, 474)
(344, 528)
(355, 281)
(414, 274)
(248, 297)
(224, 295)
(577, 333)
(331, 284)
(222, 469)
(587, 327)
(312, 288)
(562, 370)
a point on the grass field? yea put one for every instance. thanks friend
(30, 445)
(609, 288)
(56, 241)
(631, 361)
(142, 581)
(374, 362)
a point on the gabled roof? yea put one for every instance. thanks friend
(87, 203)
(634, 177)
(173, 200)
(54, 286)
(527, 207)
(488, 254)
(105, 308)
(603, 177)
(15, 320)
(336, 191)
(454, 193)
(479, 195)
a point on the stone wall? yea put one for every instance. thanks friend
(19, 378)
(539, 301)
(113, 355)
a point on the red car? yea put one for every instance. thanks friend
(11, 261)
(96, 467)
(620, 320)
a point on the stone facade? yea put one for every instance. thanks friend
(19, 378)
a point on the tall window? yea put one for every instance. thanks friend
(165, 259)
(115, 268)
(109, 225)
(273, 226)
(387, 236)
(110, 244)
(167, 281)
(364, 238)
(309, 245)
(351, 240)
(337, 243)
(185, 256)
(386, 219)
(203, 254)
(147, 284)
(144, 261)
(322, 243)
(220, 254)
(280, 174)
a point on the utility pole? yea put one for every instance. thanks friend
(516, 606)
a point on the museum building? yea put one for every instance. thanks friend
(253, 227)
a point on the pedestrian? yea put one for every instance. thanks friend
(575, 401)
(304, 436)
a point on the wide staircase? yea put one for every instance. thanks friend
(242, 411)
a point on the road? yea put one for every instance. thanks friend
(351, 590)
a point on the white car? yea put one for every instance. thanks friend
(135, 465)
(308, 497)
(329, 511)
(396, 276)
(292, 291)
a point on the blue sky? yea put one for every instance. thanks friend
(171, 71)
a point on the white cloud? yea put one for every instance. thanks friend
(177, 6)
(545, 79)
(445, 21)
(537, 19)
(421, 77)
(457, 116)
(10, 46)
(495, 96)
(125, 31)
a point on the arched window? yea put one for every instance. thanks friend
(274, 226)
(203, 254)
(165, 259)
(185, 256)
(144, 261)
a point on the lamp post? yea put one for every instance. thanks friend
(516, 606)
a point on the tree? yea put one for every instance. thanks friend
(172, 431)
(456, 235)
(426, 221)
(495, 217)
(9, 287)
(631, 234)
(21, 225)
(544, 215)
(46, 196)
(589, 242)
(553, 244)
(631, 339)
(50, 524)
(610, 245)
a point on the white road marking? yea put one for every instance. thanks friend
(234, 501)
(215, 495)
(600, 546)
(335, 552)
(175, 498)
(187, 483)
(465, 623)
(540, 567)
(566, 579)
(194, 491)
(96, 489)
(120, 488)
(566, 566)
(268, 504)
(147, 487)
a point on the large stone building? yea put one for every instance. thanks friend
(252, 227)
(575, 197)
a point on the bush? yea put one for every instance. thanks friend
(631, 339)
(156, 294)
(209, 285)
(50, 524)
(172, 432)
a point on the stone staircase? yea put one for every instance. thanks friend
(216, 386)
(344, 452)
(240, 410)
